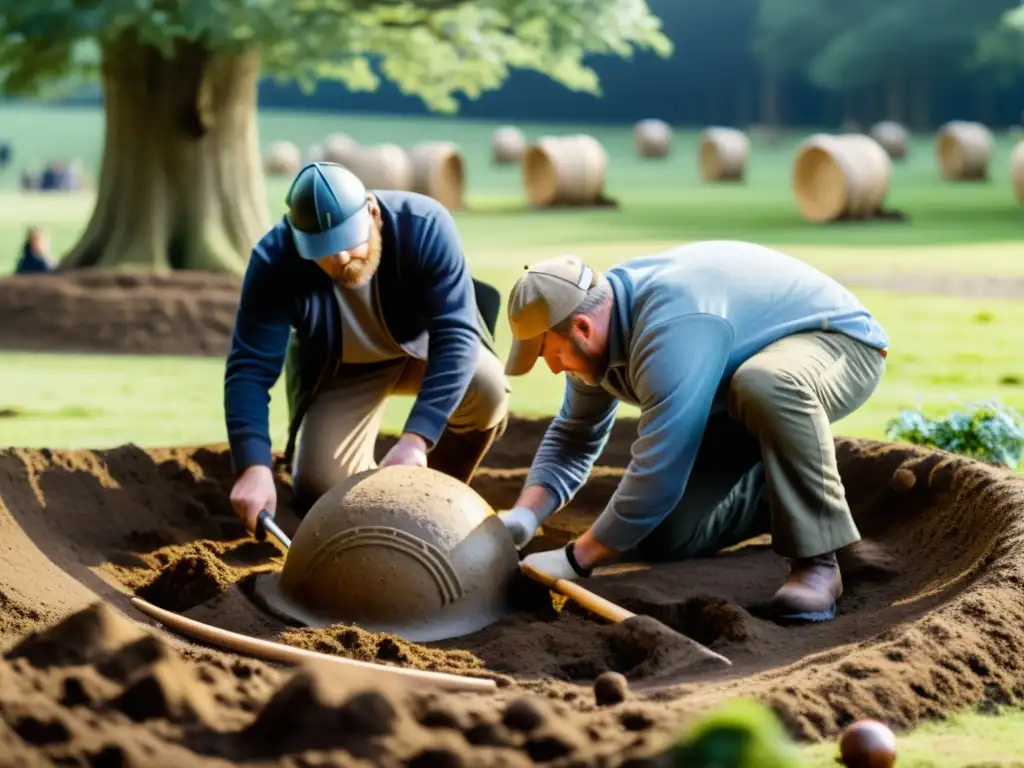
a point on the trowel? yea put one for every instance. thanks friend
(609, 611)
(265, 524)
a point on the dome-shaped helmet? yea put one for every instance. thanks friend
(402, 550)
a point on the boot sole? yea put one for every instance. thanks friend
(806, 617)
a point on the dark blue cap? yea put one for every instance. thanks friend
(327, 210)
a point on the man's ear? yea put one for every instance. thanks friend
(583, 325)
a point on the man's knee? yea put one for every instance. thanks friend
(760, 392)
(487, 398)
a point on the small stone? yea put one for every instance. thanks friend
(903, 480)
(522, 715)
(867, 743)
(610, 688)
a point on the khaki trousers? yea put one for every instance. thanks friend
(338, 433)
(768, 464)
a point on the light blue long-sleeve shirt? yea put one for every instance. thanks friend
(683, 322)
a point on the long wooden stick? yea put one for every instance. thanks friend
(264, 649)
(595, 603)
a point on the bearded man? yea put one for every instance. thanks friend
(359, 295)
(740, 358)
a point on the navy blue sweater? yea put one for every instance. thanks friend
(424, 284)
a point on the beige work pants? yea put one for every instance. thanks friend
(338, 433)
(768, 465)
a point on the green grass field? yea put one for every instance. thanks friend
(946, 349)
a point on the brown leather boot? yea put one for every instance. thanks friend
(458, 454)
(811, 590)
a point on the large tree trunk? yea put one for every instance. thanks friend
(771, 112)
(181, 185)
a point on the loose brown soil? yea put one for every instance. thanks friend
(193, 313)
(932, 621)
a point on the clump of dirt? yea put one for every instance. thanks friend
(141, 313)
(192, 580)
(930, 622)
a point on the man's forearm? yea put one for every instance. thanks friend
(539, 500)
(572, 442)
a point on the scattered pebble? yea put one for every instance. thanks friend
(522, 715)
(903, 479)
(610, 688)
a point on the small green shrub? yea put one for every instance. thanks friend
(987, 431)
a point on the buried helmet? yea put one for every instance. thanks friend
(403, 550)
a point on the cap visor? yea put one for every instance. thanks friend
(353, 231)
(523, 356)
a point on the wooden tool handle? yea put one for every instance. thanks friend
(287, 654)
(594, 603)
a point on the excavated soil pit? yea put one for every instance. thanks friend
(932, 621)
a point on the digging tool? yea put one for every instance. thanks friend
(270, 651)
(604, 608)
(265, 524)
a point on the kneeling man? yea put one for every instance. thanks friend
(359, 295)
(739, 358)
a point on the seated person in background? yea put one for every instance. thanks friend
(35, 254)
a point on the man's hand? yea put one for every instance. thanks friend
(409, 451)
(589, 552)
(554, 563)
(521, 523)
(254, 491)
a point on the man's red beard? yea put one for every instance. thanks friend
(359, 271)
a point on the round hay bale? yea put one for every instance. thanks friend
(339, 148)
(652, 138)
(963, 149)
(564, 170)
(893, 137)
(1017, 170)
(723, 154)
(282, 158)
(507, 145)
(382, 166)
(315, 153)
(438, 171)
(844, 176)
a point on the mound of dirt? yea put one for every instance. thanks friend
(931, 622)
(139, 313)
(193, 313)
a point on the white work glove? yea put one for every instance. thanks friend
(521, 523)
(554, 562)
